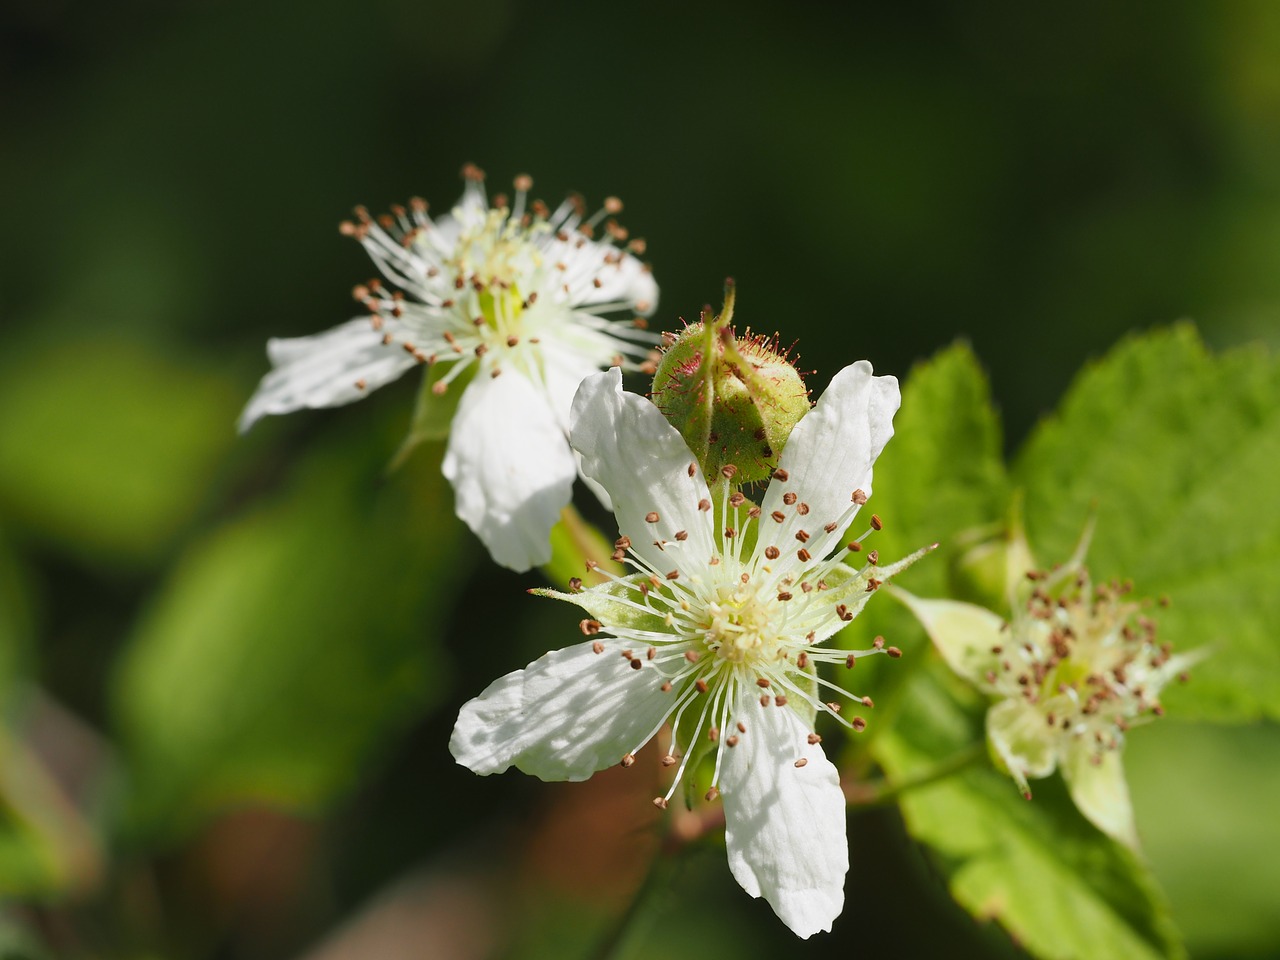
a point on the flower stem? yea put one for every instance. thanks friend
(880, 793)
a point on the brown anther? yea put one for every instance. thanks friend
(873, 557)
(652, 517)
(830, 527)
(802, 508)
(833, 706)
(728, 471)
(731, 741)
(673, 575)
(873, 584)
(858, 724)
(693, 469)
(660, 802)
(850, 660)
(692, 656)
(778, 515)
(780, 700)
(878, 643)
(764, 699)
(682, 535)
(636, 663)
(876, 522)
(704, 505)
(737, 499)
(781, 475)
(772, 552)
(597, 647)
(629, 759)
(762, 682)
(590, 565)
(802, 536)
(867, 702)
(666, 687)
(843, 613)
(806, 586)
(801, 762)
(789, 498)
(713, 734)
(512, 340)
(575, 584)
(729, 533)
(783, 595)
(668, 761)
(855, 546)
(894, 652)
(701, 684)
(712, 794)
(589, 627)
(859, 497)
(803, 555)
(362, 384)
(742, 727)
(813, 738)
(754, 513)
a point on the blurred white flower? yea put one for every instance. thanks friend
(718, 632)
(509, 297)
(1073, 670)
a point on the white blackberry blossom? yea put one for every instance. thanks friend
(511, 298)
(716, 635)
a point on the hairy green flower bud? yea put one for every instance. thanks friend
(734, 400)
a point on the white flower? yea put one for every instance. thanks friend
(717, 633)
(1073, 670)
(513, 298)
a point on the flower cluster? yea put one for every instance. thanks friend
(716, 634)
(509, 297)
(1072, 670)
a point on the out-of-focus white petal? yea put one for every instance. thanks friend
(785, 824)
(563, 717)
(829, 455)
(964, 633)
(1100, 791)
(628, 280)
(325, 370)
(628, 447)
(511, 470)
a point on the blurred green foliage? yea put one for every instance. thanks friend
(272, 620)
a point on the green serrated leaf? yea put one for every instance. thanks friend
(1060, 887)
(290, 643)
(1176, 450)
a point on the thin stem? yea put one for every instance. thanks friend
(880, 793)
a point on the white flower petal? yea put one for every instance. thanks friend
(785, 825)
(829, 455)
(563, 372)
(563, 717)
(629, 448)
(511, 470)
(323, 370)
(1100, 791)
(964, 633)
